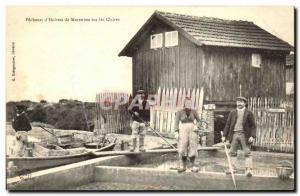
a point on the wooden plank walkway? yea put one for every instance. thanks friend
(158, 151)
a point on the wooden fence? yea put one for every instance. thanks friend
(168, 102)
(275, 124)
(274, 118)
(111, 112)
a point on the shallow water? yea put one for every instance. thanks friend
(205, 165)
(124, 186)
(211, 164)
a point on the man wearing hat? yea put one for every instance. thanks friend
(140, 110)
(240, 129)
(21, 121)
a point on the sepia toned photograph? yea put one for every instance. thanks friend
(197, 98)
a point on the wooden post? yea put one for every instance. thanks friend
(174, 106)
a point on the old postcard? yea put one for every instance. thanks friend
(150, 98)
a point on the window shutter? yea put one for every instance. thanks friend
(156, 41)
(171, 38)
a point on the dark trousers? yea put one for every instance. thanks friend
(239, 138)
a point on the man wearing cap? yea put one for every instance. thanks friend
(240, 129)
(140, 110)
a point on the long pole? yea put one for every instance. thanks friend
(57, 138)
(48, 131)
(155, 131)
(229, 163)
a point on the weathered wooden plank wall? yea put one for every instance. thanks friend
(289, 74)
(228, 68)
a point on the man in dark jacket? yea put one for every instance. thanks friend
(21, 121)
(240, 129)
(140, 111)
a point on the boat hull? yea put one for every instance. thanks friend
(23, 165)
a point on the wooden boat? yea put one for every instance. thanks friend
(24, 165)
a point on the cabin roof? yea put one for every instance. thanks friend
(213, 32)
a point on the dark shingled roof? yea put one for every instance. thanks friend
(217, 32)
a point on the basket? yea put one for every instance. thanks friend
(284, 172)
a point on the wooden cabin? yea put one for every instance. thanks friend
(173, 50)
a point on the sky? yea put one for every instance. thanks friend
(75, 60)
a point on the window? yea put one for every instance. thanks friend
(289, 88)
(256, 60)
(171, 38)
(156, 41)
